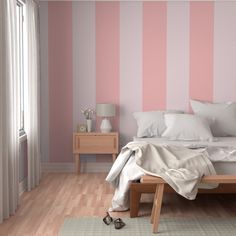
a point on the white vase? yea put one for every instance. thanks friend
(89, 125)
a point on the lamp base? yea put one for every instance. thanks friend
(105, 126)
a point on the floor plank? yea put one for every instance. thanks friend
(59, 195)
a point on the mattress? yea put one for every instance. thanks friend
(221, 167)
(219, 142)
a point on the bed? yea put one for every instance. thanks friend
(214, 123)
(227, 166)
(222, 167)
(125, 170)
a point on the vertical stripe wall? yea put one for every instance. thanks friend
(44, 85)
(154, 55)
(224, 51)
(177, 77)
(138, 55)
(201, 50)
(107, 55)
(84, 68)
(131, 59)
(60, 80)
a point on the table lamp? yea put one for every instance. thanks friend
(105, 111)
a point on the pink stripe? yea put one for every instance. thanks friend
(201, 50)
(107, 55)
(60, 80)
(154, 55)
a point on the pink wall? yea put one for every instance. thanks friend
(201, 50)
(140, 56)
(60, 80)
(107, 54)
(154, 55)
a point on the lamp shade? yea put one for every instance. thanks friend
(105, 110)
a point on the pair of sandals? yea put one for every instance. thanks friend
(117, 222)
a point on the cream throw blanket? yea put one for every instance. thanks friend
(180, 167)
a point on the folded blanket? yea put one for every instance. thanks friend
(180, 167)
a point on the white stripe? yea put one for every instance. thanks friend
(84, 74)
(225, 52)
(130, 67)
(178, 55)
(44, 114)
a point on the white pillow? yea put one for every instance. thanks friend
(222, 114)
(187, 127)
(151, 123)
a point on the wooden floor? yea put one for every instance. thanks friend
(43, 210)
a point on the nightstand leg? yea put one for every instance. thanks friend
(113, 157)
(77, 163)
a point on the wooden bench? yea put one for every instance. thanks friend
(137, 189)
(160, 183)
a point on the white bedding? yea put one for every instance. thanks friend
(180, 167)
(223, 157)
(221, 150)
(219, 142)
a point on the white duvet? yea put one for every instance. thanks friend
(125, 170)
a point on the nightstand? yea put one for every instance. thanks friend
(94, 143)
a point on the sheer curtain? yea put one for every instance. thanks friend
(9, 112)
(32, 113)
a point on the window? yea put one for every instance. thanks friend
(21, 60)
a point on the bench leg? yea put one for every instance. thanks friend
(154, 206)
(134, 203)
(156, 209)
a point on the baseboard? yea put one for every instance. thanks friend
(86, 167)
(22, 186)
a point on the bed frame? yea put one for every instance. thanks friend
(136, 190)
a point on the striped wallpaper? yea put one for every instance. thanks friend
(138, 55)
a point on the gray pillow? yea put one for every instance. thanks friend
(223, 116)
(151, 123)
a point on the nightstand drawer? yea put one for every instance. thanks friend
(94, 143)
(99, 144)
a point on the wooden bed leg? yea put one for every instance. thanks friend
(156, 209)
(134, 204)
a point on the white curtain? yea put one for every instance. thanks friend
(32, 113)
(9, 112)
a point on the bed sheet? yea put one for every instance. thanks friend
(219, 142)
(222, 152)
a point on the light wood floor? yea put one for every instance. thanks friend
(43, 210)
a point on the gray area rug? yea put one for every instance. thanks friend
(176, 226)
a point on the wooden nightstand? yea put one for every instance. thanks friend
(94, 143)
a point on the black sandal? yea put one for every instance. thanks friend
(107, 219)
(117, 222)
